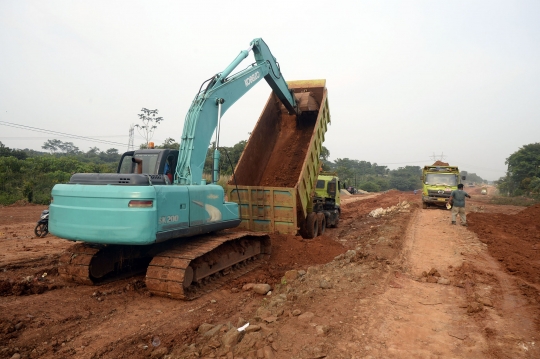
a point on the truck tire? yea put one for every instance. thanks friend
(336, 221)
(312, 226)
(332, 219)
(424, 205)
(321, 223)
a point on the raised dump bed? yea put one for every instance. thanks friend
(277, 172)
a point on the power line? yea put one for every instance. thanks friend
(400, 163)
(84, 138)
(45, 138)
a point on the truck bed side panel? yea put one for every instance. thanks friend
(266, 209)
(278, 169)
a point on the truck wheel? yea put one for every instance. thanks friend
(312, 226)
(321, 223)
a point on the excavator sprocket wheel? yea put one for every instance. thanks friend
(74, 263)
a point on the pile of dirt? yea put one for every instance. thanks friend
(385, 200)
(513, 239)
(344, 192)
(288, 155)
(292, 252)
(440, 163)
(23, 287)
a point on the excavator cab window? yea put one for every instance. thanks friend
(168, 170)
(149, 162)
(320, 184)
(126, 165)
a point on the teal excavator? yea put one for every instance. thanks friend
(157, 213)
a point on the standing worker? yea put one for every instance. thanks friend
(457, 200)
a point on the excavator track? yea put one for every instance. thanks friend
(73, 264)
(183, 270)
(191, 269)
(97, 264)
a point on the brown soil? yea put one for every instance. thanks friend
(512, 239)
(414, 287)
(440, 163)
(283, 168)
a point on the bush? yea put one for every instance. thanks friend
(369, 187)
(32, 179)
(515, 201)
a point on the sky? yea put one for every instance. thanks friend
(408, 81)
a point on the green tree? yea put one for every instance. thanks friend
(326, 165)
(149, 124)
(534, 186)
(406, 178)
(233, 153)
(369, 187)
(52, 145)
(8, 152)
(170, 144)
(110, 156)
(523, 167)
(69, 148)
(324, 153)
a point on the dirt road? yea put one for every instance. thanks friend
(405, 284)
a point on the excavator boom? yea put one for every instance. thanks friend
(216, 98)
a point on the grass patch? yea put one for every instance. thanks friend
(515, 201)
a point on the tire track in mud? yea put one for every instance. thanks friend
(473, 309)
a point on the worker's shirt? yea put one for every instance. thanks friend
(458, 197)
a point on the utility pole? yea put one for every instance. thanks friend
(131, 136)
(434, 157)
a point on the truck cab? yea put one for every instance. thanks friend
(327, 198)
(438, 182)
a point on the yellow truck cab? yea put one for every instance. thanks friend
(438, 182)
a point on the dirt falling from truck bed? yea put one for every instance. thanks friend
(285, 163)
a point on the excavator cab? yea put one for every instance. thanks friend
(154, 163)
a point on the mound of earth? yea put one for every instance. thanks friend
(512, 239)
(440, 163)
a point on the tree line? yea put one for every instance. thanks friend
(523, 173)
(30, 175)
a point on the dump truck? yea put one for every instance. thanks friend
(275, 180)
(438, 182)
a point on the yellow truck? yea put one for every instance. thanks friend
(275, 180)
(438, 182)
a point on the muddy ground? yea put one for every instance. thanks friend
(405, 284)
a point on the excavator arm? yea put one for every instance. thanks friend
(221, 92)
